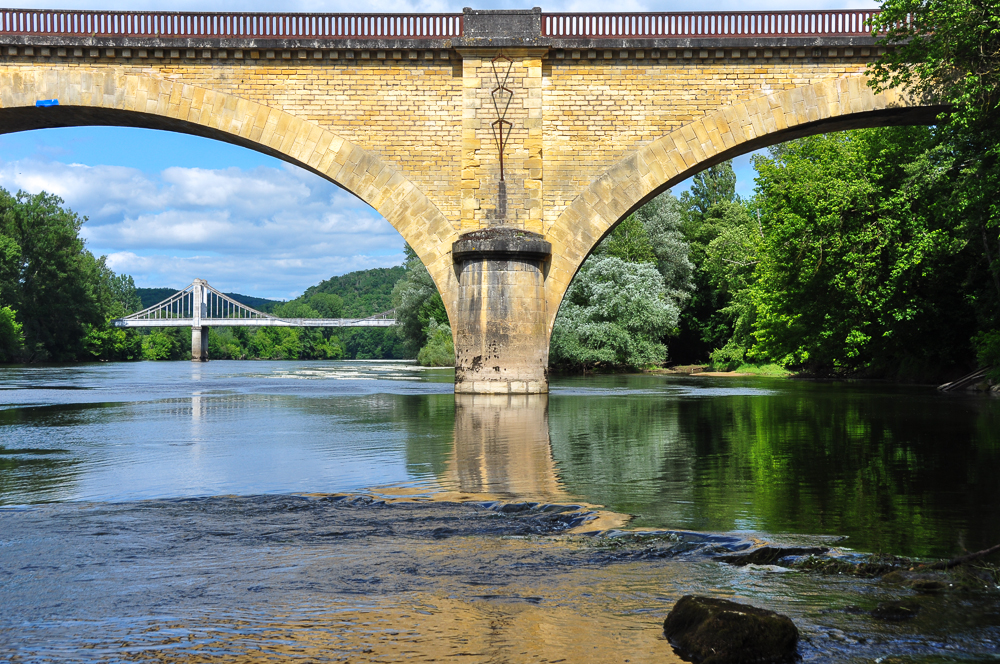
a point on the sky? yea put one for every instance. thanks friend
(167, 208)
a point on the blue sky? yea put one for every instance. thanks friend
(167, 207)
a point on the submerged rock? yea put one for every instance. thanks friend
(769, 555)
(717, 631)
(896, 611)
(931, 582)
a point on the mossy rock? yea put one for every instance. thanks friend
(921, 582)
(717, 631)
(897, 611)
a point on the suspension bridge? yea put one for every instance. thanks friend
(200, 307)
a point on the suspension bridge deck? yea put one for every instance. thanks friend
(199, 306)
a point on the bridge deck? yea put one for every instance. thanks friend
(199, 305)
(257, 322)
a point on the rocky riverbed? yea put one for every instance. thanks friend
(360, 579)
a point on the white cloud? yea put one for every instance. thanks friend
(263, 231)
(280, 278)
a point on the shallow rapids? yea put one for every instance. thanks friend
(352, 578)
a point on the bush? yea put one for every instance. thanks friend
(615, 315)
(114, 343)
(439, 351)
(165, 343)
(11, 337)
(728, 357)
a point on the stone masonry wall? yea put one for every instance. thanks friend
(428, 112)
(599, 110)
(406, 110)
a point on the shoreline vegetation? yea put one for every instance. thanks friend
(869, 253)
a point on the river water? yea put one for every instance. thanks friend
(359, 511)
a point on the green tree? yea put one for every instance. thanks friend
(328, 305)
(48, 277)
(947, 52)
(295, 309)
(11, 338)
(373, 343)
(439, 351)
(730, 264)
(628, 241)
(707, 210)
(167, 343)
(117, 297)
(363, 293)
(714, 185)
(417, 303)
(615, 314)
(662, 220)
(226, 343)
(856, 272)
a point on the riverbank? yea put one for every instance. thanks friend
(706, 370)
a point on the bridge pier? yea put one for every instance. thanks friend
(199, 344)
(501, 327)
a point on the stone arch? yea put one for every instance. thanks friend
(113, 98)
(832, 105)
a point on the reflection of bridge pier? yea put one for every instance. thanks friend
(502, 446)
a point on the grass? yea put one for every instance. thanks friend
(775, 370)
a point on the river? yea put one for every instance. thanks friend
(359, 511)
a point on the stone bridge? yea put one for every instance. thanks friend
(502, 145)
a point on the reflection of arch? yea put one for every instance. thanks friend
(833, 105)
(152, 102)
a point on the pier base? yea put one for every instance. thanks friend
(501, 331)
(199, 344)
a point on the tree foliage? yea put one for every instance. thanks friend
(439, 351)
(708, 209)
(49, 278)
(11, 337)
(60, 294)
(420, 312)
(628, 241)
(615, 314)
(944, 52)
(624, 303)
(363, 293)
(662, 221)
(851, 259)
(947, 52)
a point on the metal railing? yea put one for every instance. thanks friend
(84, 23)
(708, 24)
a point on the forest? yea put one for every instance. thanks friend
(872, 252)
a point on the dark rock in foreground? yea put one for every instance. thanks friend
(717, 631)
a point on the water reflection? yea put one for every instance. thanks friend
(502, 447)
(901, 470)
(895, 469)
